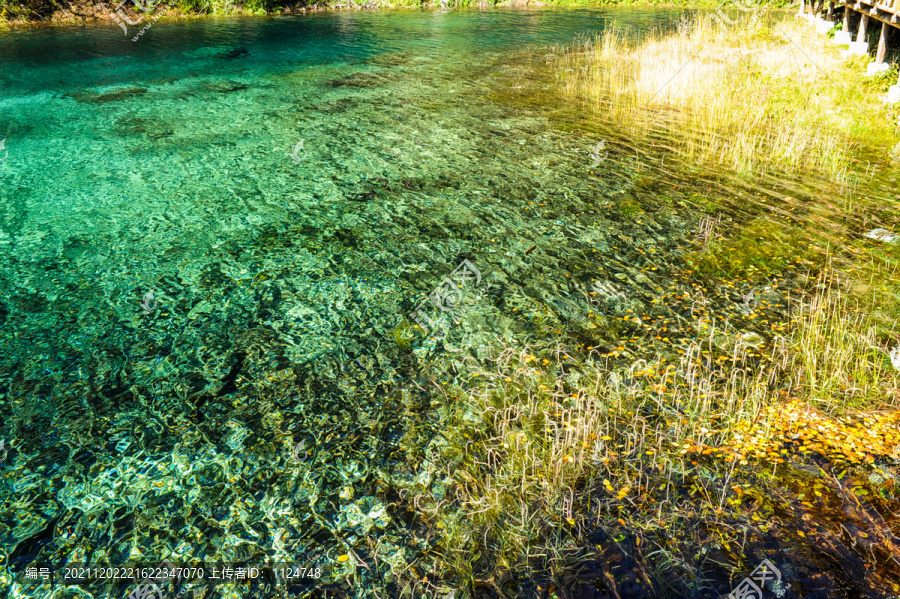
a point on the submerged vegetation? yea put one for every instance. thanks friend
(754, 98)
(568, 465)
(560, 461)
(656, 431)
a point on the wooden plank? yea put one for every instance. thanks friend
(884, 18)
(887, 13)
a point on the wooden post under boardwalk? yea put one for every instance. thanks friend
(846, 18)
(831, 10)
(864, 20)
(882, 44)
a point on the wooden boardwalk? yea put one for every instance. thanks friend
(886, 12)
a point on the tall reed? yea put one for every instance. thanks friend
(737, 96)
(551, 444)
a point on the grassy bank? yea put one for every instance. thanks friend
(752, 97)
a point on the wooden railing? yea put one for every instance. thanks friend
(884, 11)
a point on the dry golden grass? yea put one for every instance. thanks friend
(839, 361)
(748, 97)
(552, 444)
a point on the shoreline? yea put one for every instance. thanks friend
(101, 13)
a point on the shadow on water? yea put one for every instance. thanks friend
(261, 404)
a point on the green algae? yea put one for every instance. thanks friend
(759, 249)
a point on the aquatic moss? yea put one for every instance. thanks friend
(760, 249)
(630, 208)
(404, 333)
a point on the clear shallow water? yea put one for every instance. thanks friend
(163, 165)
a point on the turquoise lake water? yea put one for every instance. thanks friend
(212, 238)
